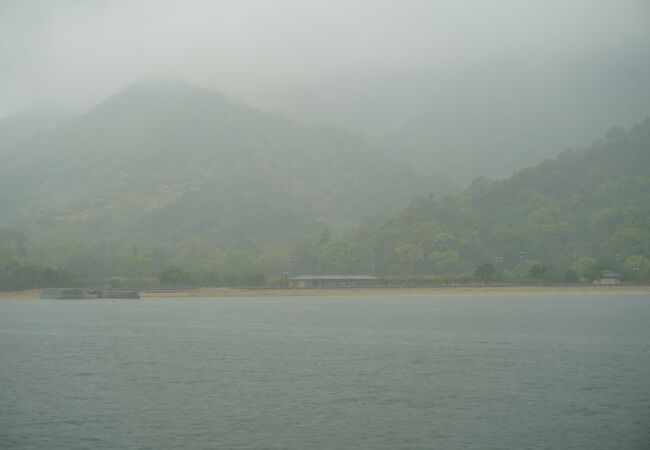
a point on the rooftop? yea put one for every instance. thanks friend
(334, 277)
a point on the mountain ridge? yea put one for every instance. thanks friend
(158, 148)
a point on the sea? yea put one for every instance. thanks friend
(457, 372)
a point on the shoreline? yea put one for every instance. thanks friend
(488, 291)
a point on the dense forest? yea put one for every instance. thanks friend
(565, 219)
(165, 184)
(165, 174)
(159, 151)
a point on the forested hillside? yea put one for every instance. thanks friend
(178, 182)
(585, 211)
(164, 173)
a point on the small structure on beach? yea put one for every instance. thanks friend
(609, 277)
(66, 293)
(80, 293)
(118, 293)
(333, 281)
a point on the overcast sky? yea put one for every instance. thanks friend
(77, 52)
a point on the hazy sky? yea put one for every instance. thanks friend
(77, 52)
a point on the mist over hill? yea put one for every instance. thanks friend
(164, 174)
(171, 162)
(488, 119)
(344, 113)
(23, 125)
(324, 224)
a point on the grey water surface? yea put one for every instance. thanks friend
(538, 372)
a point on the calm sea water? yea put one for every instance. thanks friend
(538, 372)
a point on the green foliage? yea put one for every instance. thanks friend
(637, 268)
(485, 272)
(594, 203)
(18, 274)
(210, 279)
(163, 160)
(239, 262)
(568, 276)
(230, 196)
(588, 268)
(538, 272)
(12, 243)
(174, 277)
(255, 279)
(167, 175)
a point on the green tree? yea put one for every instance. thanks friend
(637, 268)
(211, 278)
(588, 268)
(569, 276)
(174, 277)
(325, 236)
(239, 262)
(485, 272)
(255, 279)
(12, 243)
(16, 274)
(537, 272)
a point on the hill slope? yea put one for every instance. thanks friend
(169, 161)
(585, 203)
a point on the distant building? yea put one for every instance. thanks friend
(333, 281)
(65, 293)
(609, 277)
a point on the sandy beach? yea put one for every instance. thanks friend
(371, 292)
(402, 291)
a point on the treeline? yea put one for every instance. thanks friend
(561, 221)
(66, 261)
(17, 272)
(17, 275)
(176, 277)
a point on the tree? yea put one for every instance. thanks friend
(588, 268)
(211, 278)
(637, 268)
(239, 262)
(12, 243)
(17, 274)
(174, 277)
(569, 276)
(485, 272)
(537, 272)
(325, 236)
(255, 279)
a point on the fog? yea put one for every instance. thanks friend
(75, 53)
(399, 138)
(465, 184)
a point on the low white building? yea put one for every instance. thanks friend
(609, 277)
